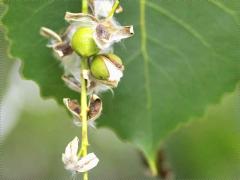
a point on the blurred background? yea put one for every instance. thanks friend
(35, 131)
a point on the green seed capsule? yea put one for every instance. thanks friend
(114, 58)
(99, 69)
(83, 42)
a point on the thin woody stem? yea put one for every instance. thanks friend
(84, 109)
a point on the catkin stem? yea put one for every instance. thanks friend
(85, 6)
(84, 109)
(113, 9)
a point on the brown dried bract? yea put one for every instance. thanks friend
(95, 108)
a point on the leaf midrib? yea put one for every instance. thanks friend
(146, 60)
(145, 54)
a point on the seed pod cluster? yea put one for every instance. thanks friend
(90, 36)
(85, 52)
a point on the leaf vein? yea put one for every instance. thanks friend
(180, 22)
(36, 11)
(133, 57)
(145, 53)
(175, 51)
(226, 9)
(186, 61)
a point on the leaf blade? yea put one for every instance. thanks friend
(183, 57)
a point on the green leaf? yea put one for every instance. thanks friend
(183, 57)
(6, 63)
(188, 58)
(23, 21)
